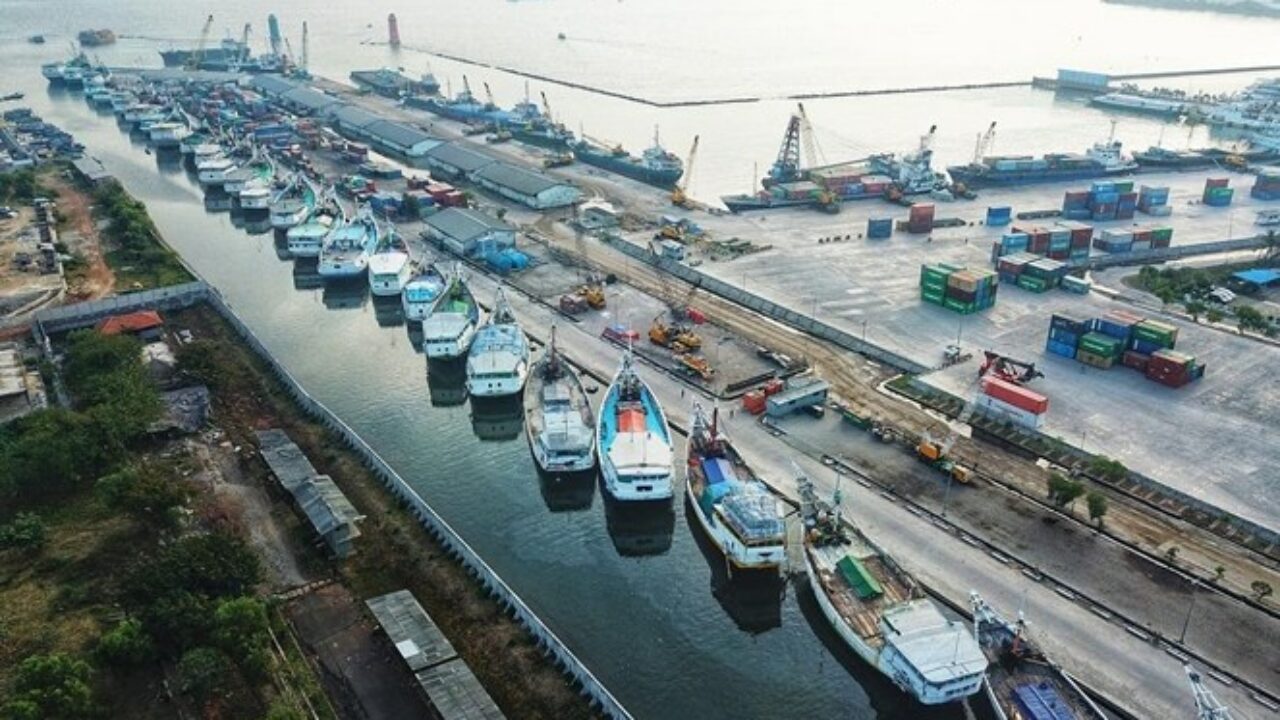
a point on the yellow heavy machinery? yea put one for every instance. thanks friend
(678, 196)
(678, 337)
(593, 293)
(697, 365)
(194, 59)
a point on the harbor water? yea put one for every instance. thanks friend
(640, 596)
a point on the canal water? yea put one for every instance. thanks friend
(638, 595)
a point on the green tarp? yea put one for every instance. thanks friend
(864, 585)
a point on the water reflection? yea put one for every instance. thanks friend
(566, 492)
(447, 381)
(257, 222)
(216, 201)
(345, 294)
(306, 274)
(639, 528)
(281, 243)
(751, 598)
(388, 311)
(169, 162)
(497, 419)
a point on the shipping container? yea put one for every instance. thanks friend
(1008, 412)
(1101, 362)
(1062, 349)
(879, 228)
(1103, 344)
(1016, 395)
(754, 402)
(999, 216)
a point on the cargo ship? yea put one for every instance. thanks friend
(1103, 159)
(1158, 158)
(733, 506)
(229, 52)
(1021, 681)
(656, 166)
(1145, 104)
(96, 38)
(392, 84)
(881, 613)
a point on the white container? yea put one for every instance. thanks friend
(1001, 410)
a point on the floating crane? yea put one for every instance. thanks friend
(488, 96)
(679, 196)
(787, 166)
(1207, 706)
(985, 142)
(812, 153)
(193, 60)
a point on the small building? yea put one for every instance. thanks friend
(456, 160)
(400, 139)
(91, 171)
(14, 398)
(320, 499)
(146, 324)
(671, 250)
(597, 214)
(445, 679)
(470, 233)
(1256, 280)
(527, 187)
(797, 397)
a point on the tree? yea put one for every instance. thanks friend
(149, 495)
(1097, 503)
(1218, 573)
(215, 565)
(1261, 589)
(53, 452)
(1250, 319)
(1063, 491)
(1107, 469)
(203, 672)
(56, 686)
(1171, 554)
(1196, 308)
(1214, 315)
(412, 207)
(240, 630)
(125, 645)
(25, 531)
(91, 356)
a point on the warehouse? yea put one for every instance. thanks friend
(353, 120)
(470, 233)
(271, 86)
(455, 160)
(399, 139)
(530, 188)
(305, 101)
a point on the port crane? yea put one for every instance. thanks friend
(986, 141)
(679, 196)
(787, 166)
(488, 96)
(193, 60)
(812, 152)
(1207, 706)
(1008, 369)
(302, 63)
(546, 106)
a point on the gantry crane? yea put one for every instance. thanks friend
(678, 196)
(193, 60)
(1207, 706)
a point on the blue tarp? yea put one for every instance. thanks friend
(1041, 702)
(716, 470)
(1258, 277)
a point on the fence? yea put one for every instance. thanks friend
(1156, 255)
(768, 308)
(547, 640)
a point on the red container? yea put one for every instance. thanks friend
(921, 211)
(1017, 396)
(1009, 267)
(1059, 255)
(1129, 198)
(1173, 378)
(1216, 182)
(1039, 244)
(772, 387)
(1080, 237)
(753, 402)
(1136, 360)
(453, 199)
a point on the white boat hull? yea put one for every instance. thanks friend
(389, 287)
(212, 178)
(343, 270)
(284, 221)
(764, 557)
(651, 487)
(418, 311)
(499, 387)
(449, 348)
(582, 463)
(258, 202)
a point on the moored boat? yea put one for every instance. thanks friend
(656, 165)
(881, 613)
(558, 421)
(633, 439)
(346, 250)
(498, 361)
(213, 172)
(390, 269)
(448, 332)
(1022, 682)
(1103, 159)
(168, 134)
(307, 239)
(293, 204)
(733, 506)
(422, 293)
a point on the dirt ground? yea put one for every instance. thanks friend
(81, 236)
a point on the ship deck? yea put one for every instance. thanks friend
(862, 615)
(559, 409)
(1031, 671)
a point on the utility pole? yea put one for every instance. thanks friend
(1186, 623)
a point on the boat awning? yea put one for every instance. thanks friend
(864, 585)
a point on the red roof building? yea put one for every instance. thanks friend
(134, 322)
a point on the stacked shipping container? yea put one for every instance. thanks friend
(1122, 337)
(1014, 403)
(1154, 201)
(962, 290)
(1267, 185)
(1067, 240)
(1139, 238)
(1216, 192)
(1105, 200)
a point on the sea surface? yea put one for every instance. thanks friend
(638, 595)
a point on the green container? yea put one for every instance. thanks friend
(1034, 284)
(933, 284)
(935, 299)
(954, 305)
(1101, 344)
(1124, 187)
(1162, 233)
(1162, 334)
(1092, 359)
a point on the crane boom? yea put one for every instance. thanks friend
(546, 105)
(488, 95)
(1207, 706)
(678, 195)
(306, 45)
(985, 142)
(193, 61)
(812, 153)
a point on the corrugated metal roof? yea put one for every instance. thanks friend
(411, 630)
(518, 179)
(286, 460)
(465, 224)
(271, 84)
(397, 134)
(328, 509)
(352, 116)
(457, 694)
(459, 156)
(312, 100)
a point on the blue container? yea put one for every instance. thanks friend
(1146, 347)
(1106, 327)
(879, 228)
(1061, 349)
(1077, 214)
(1008, 277)
(1070, 324)
(1101, 198)
(999, 216)
(1102, 186)
(1064, 336)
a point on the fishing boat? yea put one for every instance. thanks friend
(390, 269)
(558, 420)
(448, 332)
(306, 240)
(733, 506)
(256, 196)
(213, 172)
(168, 134)
(422, 293)
(498, 361)
(1021, 682)
(633, 439)
(881, 613)
(346, 250)
(293, 204)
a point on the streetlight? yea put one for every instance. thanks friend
(1195, 585)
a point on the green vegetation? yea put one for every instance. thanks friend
(1248, 318)
(20, 187)
(1191, 286)
(147, 493)
(1261, 589)
(1063, 491)
(1104, 468)
(26, 531)
(52, 687)
(138, 258)
(1097, 504)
